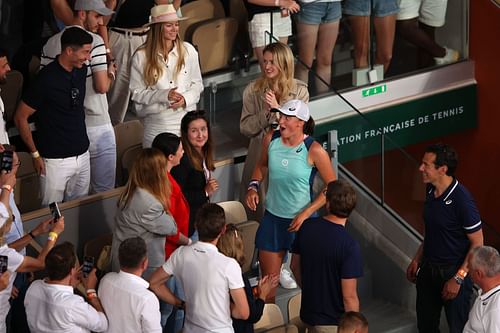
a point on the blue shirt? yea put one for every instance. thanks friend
(448, 219)
(328, 254)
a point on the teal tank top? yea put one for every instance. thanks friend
(290, 177)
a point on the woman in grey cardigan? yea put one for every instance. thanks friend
(143, 209)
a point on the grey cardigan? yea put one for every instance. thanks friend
(144, 216)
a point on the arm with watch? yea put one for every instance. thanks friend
(452, 286)
(23, 112)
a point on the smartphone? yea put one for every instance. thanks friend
(4, 261)
(88, 265)
(54, 210)
(6, 160)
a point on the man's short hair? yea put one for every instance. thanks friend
(60, 260)
(487, 259)
(210, 221)
(341, 198)
(132, 252)
(3, 52)
(75, 38)
(445, 155)
(351, 321)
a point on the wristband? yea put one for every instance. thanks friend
(53, 236)
(7, 187)
(276, 3)
(108, 50)
(31, 234)
(91, 290)
(112, 75)
(190, 241)
(254, 185)
(462, 273)
(458, 279)
(92, 295)
(35, 154)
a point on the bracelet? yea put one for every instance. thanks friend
(91, 290)
(53, 236)
(35, 154)
(92, 295)
(112, 75)
(254, 185)
(7, 187)
(108, 50)
(190, 241)
(31, 234)
(458, 279)
(462, 273)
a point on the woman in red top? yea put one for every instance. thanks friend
(170, 144)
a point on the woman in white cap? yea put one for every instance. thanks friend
(291, 158)
(165, 76)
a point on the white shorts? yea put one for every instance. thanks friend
(429, 12)
(259, 28)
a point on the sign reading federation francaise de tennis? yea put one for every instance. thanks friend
(407, 123)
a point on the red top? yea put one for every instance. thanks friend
(179, 209)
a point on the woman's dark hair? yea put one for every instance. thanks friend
(309, 126)
(168, 143)
(207, 150)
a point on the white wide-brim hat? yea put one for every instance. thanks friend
(162, 14)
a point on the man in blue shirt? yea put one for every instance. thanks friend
(452, 230)
(326, 262)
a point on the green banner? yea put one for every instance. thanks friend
(407, 123)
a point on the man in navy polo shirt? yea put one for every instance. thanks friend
(326, 262)
(61, 154)
(452, 230)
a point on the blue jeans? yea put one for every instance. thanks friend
(172, 319)
(430, 281)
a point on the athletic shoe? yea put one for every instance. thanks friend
(286, 280)
(450, 57)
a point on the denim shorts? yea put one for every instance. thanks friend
(378, 7)
(319, 12)
(272, 234)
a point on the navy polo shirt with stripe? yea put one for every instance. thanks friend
(448, 219)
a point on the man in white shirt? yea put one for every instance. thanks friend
(89, 15)
(484, 269)
(210, 279)
(127, 292)
(52, 306)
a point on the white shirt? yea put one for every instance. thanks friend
(95, 104)
(151, 102)
(206, 276)
(129, 305)
(54, 308)
(4, 137)
(15, 260)
(484, 317)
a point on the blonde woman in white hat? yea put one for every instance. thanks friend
(165, 76)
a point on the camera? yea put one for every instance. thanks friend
(6, 160)
(88, 265)
(54, 210)
(4, 261)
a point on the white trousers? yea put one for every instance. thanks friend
(123, 47)
(65, 179)
(102, 151)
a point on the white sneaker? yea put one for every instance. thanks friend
(286, 280)
(450, 57)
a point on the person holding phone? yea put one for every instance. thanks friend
(194, 173)
(165, 76)
(16, 261)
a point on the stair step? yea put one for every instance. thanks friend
(386, 317)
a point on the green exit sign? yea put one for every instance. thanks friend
(374, 90)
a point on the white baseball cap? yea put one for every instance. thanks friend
(97, 6)
(295, 108)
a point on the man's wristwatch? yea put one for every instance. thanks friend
(459, 280)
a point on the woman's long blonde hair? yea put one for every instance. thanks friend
(230, 244)
(154, 47)
(149, 172)
(283, 59)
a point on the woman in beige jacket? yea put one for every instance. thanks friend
(275, 87)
